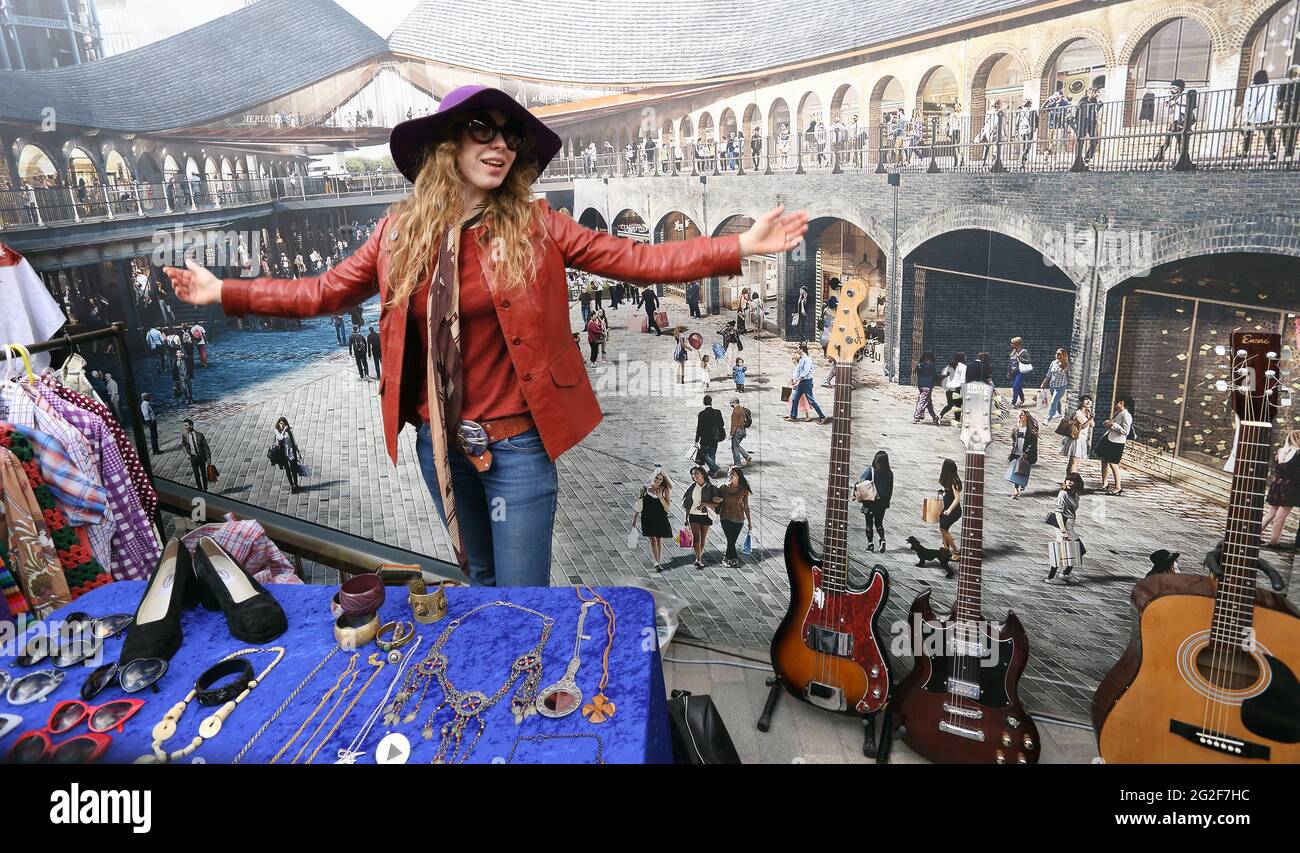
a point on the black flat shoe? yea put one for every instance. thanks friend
(252, 614)
(156, 631)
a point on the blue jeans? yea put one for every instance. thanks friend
(1054, 408)
(1017, 387)
(507, 513)
(804, 389)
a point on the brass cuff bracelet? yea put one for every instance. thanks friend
(401, 634)
(428, 606)
(354, 631)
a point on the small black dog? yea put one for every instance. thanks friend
(925, 555)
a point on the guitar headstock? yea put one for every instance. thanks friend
(976, 410)
(1255, 381)
(848, 335)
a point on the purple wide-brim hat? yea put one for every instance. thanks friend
(409, 139)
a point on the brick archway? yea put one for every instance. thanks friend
(1046, 240)
(1274, 235)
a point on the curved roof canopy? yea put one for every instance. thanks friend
(598, 41)
(237, 61)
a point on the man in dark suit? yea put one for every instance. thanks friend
(709, 431)
(693, 299)
(196, 448)
(372, 340)
(357, 343)
(651, 303)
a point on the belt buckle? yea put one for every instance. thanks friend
(472, 438)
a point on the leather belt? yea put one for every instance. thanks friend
(496, 430)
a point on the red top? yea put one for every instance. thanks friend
(491, 385)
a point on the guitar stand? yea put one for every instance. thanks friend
(872, 746)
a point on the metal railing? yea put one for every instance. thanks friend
(1196, 130)
(39, 206)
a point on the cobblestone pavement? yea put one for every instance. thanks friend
(1076, 631)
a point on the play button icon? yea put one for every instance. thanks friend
(393, 749)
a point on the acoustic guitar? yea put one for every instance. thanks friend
(1210, 673)
(959, 704)
(828, 650)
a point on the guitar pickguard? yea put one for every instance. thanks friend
(1275, 713)
(986, 672)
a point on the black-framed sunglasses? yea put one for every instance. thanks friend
(482, 129)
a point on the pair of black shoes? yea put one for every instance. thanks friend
(213, 579)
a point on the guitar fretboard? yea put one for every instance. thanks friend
(969, 578)
(835, 541)
(1234, 601)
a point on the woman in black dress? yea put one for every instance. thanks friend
(652, 508)
(880, 475)
(951, 482)
(287, 455)
(1284, 490)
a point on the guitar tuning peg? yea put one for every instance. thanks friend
(1220, 350)
(1221, 385)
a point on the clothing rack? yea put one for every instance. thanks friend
(116, 331)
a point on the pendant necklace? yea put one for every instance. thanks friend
(353, 751)
(565, 696)
(600, 709)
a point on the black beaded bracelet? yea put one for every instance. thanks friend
(239, 667)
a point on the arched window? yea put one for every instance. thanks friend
(1177, 50)
(1276, 44)
(1079, 63)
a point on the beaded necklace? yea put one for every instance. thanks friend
(469, 705)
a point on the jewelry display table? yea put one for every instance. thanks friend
(478, 656)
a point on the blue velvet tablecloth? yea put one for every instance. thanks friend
(480, 654)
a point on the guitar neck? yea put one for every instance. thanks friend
(1234, 600)
(969, 578)
(835, 541)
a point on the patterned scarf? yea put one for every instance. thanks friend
(444, 372)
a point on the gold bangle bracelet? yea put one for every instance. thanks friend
(353, 632)
(402, 633)
(427, 607)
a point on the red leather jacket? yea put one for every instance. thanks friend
(535, 321)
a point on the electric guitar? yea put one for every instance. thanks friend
(1210, 673)
(828, 650)
(959, 703)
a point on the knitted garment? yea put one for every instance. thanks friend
(80, 568)
(9, 589)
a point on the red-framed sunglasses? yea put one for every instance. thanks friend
(67, 715)
(35, 747)
(482, 129)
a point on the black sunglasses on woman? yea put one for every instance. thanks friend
(482, 129)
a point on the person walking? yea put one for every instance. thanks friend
(954, 377)
(741, 420)
(801, 379)
(1017, 370)
(1288, 109)
(1284, 489)
(182, 379)
(653, 503)
(1056, 382)
(650, 302)
(881, 478)
(196, 449)
(150, 420)
(950, 481)
(1180, 119)
(709, 432)
(680, 353)
(157, 348)
(1111, 447)
(1078, 436)
(956, 120)
(1258, 110)
(338, 329)
(1024, 454)
(1026, 130)
(584, 302)
(595, 333)
(358, 346)
(926, 378)
(200, 337)
(114, 395)
(495, 413)
(1062, 518)
(738, 371)
(287, 455)
(376, 351)
(733, 512)
(693, 300)
(701, 499)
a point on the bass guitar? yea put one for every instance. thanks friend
(959, 703)
(1210, 673)
(828, 649)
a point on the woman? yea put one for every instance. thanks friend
(951, 513)
(287, 455)
(954, 377)
(1075, 445)
(926, 377)
(879, 475)
(1024, 454)
(734, 511)
(1056, 381)
(700, 499)
(1284, 490)
(681, 352)
(955, 122)
(1016, 372)
(488, 313)
(653, 504)
(742, 311)
(1258, 110)
(1062, 518)
(594, 333)
(1111, 447)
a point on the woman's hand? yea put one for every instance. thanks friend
(195, 284)
(774, 232)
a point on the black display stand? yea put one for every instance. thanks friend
(873, 746)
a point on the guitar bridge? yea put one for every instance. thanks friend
(826, 641)
(825, 696)
(961, 731)
(1218, 742)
